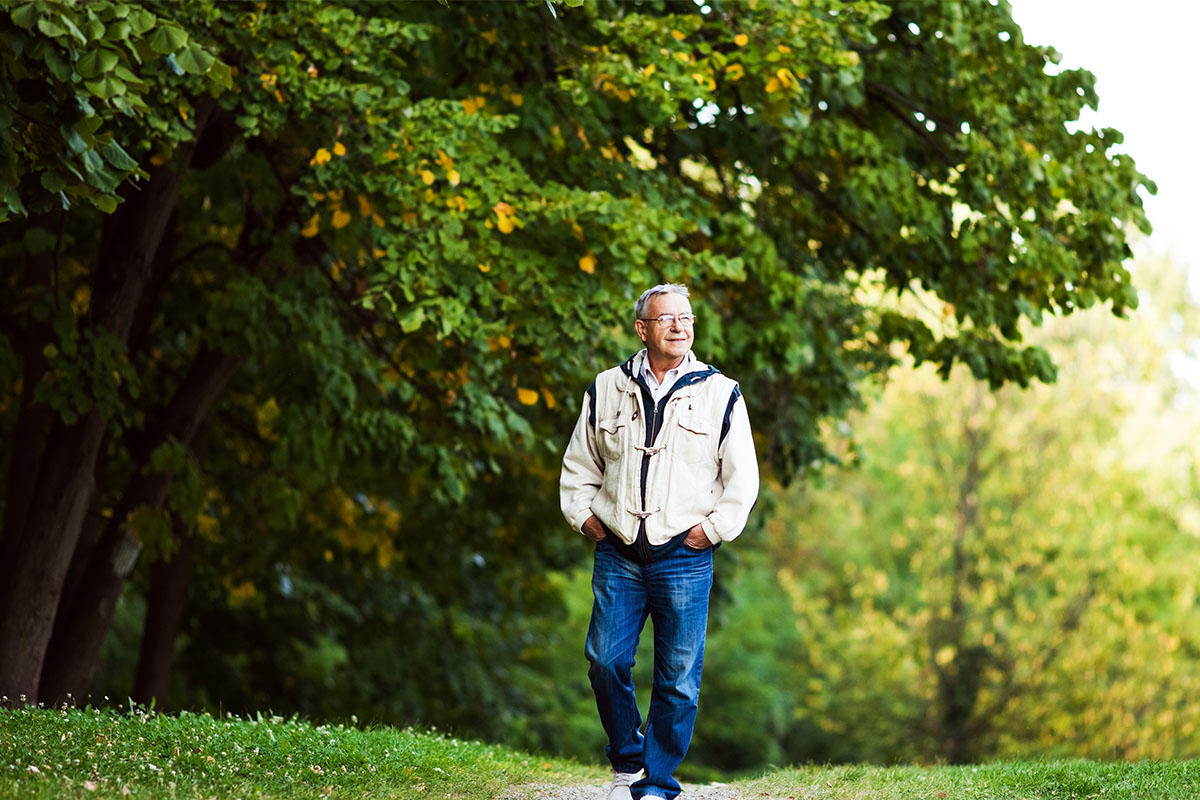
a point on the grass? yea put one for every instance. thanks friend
(75, 753)
(1002, 780)
(90, 753)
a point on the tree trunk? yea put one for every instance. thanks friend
(79, 631)
(164, 611)
(41, 548)
(33, 419)
(958, 680)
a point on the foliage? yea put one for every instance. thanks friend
(394, 241)
(85, 753)
(1007, 573)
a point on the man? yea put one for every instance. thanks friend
(660, 470)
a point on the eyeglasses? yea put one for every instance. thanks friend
(686, 320)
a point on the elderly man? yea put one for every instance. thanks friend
(659, 471)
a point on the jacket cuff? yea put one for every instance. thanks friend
(581, 518)
(710, 531)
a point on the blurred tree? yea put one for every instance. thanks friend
(298, 279)
(1007, 573)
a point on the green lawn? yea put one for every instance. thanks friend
(72, 753)
(88, 754)
(1005, 780)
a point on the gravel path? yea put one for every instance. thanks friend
(587, 791)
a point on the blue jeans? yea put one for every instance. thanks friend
(673, 593)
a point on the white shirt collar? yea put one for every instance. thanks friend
(689, 364)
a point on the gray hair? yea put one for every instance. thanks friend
(639, 308)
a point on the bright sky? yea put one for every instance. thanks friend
(1143, 55)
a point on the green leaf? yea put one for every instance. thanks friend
(142, 21)
(412, 319)
(96, 62)
(106, 87)
(73, 139)
(114, 154)
(194, 59)
(51, 28)
(167, 39)
(53, 180)
(220, 74)
(57, 65)
(25, 16)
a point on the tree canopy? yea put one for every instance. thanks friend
(311, 290)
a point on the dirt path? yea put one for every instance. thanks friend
(691, 791)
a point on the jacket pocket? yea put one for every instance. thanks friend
(611, 436)
(694, 441)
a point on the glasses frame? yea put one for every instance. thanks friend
(686, 320)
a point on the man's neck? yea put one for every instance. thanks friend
(661, 368)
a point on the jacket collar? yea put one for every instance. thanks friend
(631, 374)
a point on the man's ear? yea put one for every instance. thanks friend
(638, 327)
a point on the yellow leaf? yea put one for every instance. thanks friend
(279, 97)
(735, 72)
(783, 48)
(364, 205)
(527, 397)
(310, 230)
(453, 177)
(741, 40)
(340, 218)
(517, 100)
(504, 341)
(339, 149)
(505, 224)
(322, 156)
(378, 220)
(183, 112)
(469, 106)
(649, 70)
(484, 268)
(444, 159)
(158, 159)
(490, 36)
(575, 229)
(460, 202)
(680, 35)
(427, 177)
(378, 253)
(588, 263)
(549, 398)
(773, 85)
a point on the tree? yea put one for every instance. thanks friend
(1006, 574)
(285, 263)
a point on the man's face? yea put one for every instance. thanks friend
(666, 342)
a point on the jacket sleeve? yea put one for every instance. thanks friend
(582, 468)
(738, 479)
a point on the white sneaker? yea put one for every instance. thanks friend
(620, 785)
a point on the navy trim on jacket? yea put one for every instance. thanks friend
(733, 398)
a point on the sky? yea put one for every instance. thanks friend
(1143, 55)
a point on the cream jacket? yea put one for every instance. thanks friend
(685, 460)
